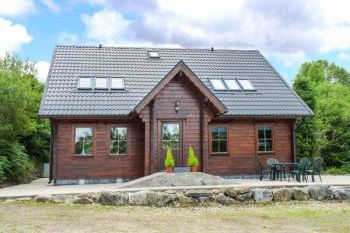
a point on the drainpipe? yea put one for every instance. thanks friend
(294, 147)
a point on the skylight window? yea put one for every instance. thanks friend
(153, 54)
(117, 83)
(101, 83)
(232, 84)
(85, 83)
(246, 84)
(218, 84)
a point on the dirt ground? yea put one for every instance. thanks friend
(292, 217)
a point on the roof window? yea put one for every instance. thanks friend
(246, 84)
(153, 54)
(85, 83)
(218, 84)
(117, 83)
(101, 83)
(232, 84)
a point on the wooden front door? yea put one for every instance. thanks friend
(171, 133)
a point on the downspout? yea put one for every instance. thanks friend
(294, 147)
(152, 144)
(201, 124)
(51, 152)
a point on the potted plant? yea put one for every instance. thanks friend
(169, 161)
(192, 160)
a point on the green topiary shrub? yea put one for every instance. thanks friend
(169, 159)
(192, 160)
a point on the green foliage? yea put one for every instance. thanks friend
(192, 160)
(345, 169)
(326, 90)
(169, 159)
(23, 136)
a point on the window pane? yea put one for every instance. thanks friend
(114, 133)
(268, 132)
(217, 84)
(232, 84)
(268, 145)
(83, 141)
(153, 54)
(261, 133)
(215, 146)
(122, 147)
(261, 145)
(215, 133)
(223, 146)
(171, 135)
(101, 83)
(122, 132)
(117, 83)
(113, 147)
(84, 83)
(222, 132)
(246, 84)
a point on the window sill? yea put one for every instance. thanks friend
(265, 152)
(82, 156)
(219, 154)
(113, 156)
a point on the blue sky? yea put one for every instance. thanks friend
(287, 32)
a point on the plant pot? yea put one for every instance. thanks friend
(193, 169)
(169, 170)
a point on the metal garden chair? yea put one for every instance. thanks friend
(316, 168)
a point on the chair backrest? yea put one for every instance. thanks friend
(305, 163)
(317, 164)
(271, 162)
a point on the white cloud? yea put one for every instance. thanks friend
(42, 70)
(13, 36)
(344, 56)
(68, 38)
(14, 8)
(286, 29)
(51, 5)
(107, 27)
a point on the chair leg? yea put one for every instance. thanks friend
(313, 177)
(261, 175)
(319, 174)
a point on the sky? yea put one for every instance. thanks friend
(287, 32)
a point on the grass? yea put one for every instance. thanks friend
(278, 217)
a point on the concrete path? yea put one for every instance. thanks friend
(41, 187)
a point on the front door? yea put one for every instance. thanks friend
(170, 137)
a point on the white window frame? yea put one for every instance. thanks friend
(212, 81)
(116, 88)
(84, 87)
(244, 82)
(153, 54)
(101, 88)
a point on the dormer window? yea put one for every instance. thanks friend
(85, 83)
(232, 84)
(117, 83)
(101, 83)
(153, 54)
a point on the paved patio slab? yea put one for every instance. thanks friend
(41, 187)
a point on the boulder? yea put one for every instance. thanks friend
(63, 198)
(224, 200)
(198, 193)
(262, 195)
(150, 198)
(340, 192)
(300, 194)
(42, 198)
(82, 200)
(182, 199)
(320, 192)
(234, 192)
(111, 198)
(282, 194)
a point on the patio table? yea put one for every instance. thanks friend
(284, 165)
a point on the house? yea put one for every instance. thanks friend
(114, 110)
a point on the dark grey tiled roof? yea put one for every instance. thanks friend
(273, 96)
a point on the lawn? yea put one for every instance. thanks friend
(291, 217)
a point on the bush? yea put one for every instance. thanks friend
(169, 159)
(192, 160)
(345, 169)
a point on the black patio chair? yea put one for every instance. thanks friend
(264, 168)
(304, 165)
(295, 171)
(275, 168)
(315, 169)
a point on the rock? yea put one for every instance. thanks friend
(244, 197)
(262, 195)
(42, 198)
(224, 200)
(63, 198)
(320, 192)
(82, 200)
(282, 194)
(182, 199)
(234, 192)
(150, 198)
(198, 193)
(204, 199)
(111, 198)
(340, 193)
(300, 194)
